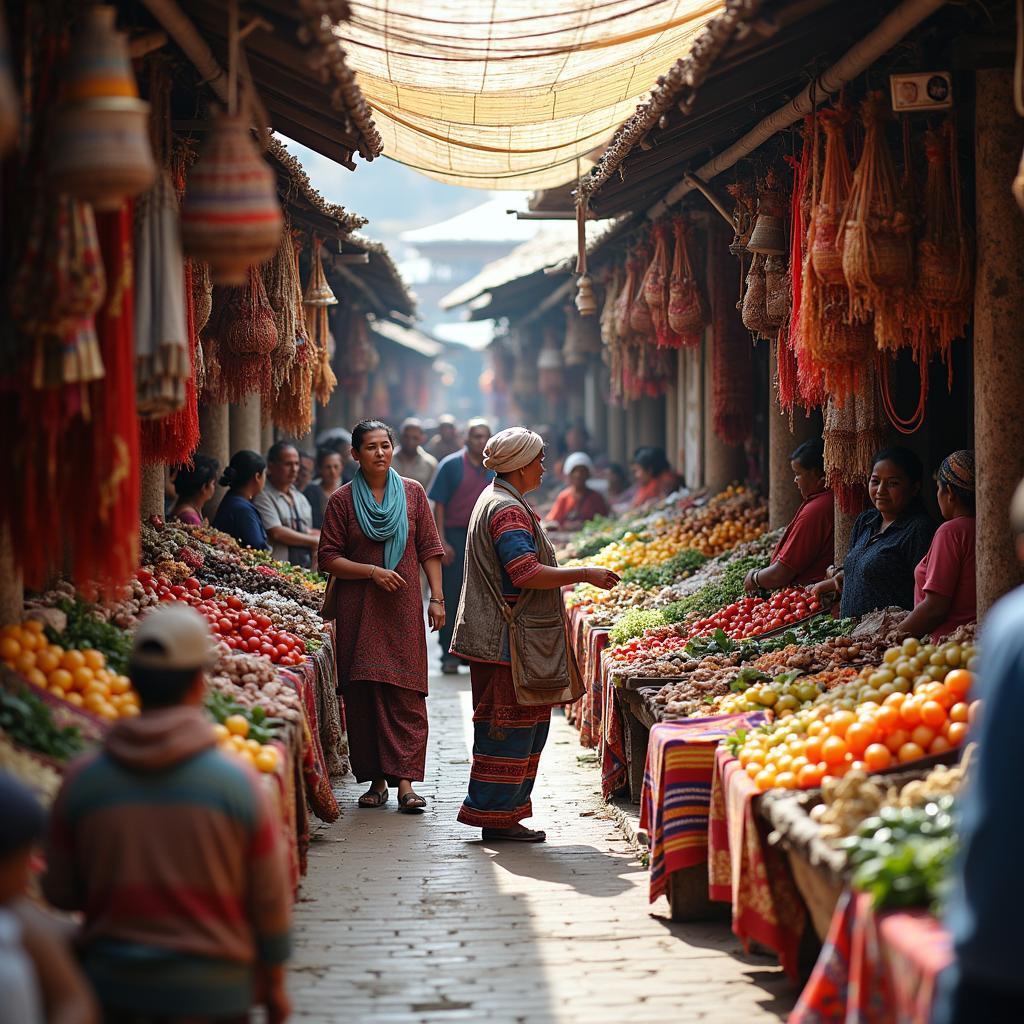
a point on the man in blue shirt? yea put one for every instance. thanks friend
(461, 479)
(986, 983)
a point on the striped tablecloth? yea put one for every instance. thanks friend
(677, 790)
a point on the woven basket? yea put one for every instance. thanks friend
(778, 295)
(754, 310)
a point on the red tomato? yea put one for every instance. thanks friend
(234, 603)
(252, 645)
(207, 592)
(223, 626)
(263, 622)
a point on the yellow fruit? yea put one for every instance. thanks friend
(266, 759)
(246, 755)
(95, 659)
(254, 746)
(37, 678)
(85, 678)
(237, 725)
(61, 678)
(47, 659)
(74, 698)
(25, 662)
(57, 692)
(220, 731)
(33, 626)
(119, 684)
(237, 742)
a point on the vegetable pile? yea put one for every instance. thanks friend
(29, 723)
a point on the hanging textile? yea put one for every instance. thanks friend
(854, 431)
(502, 96)
(163, 365)
(732, 370)
(242, 324)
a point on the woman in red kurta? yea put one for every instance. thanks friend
(378, 530)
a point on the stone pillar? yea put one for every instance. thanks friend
(266, 436)
(151, 498)
(244, 429)
(650, 427)
(12, 591)
(783, 497)
(617, 434)
(215, 441)
(596, 409)
(998, 332)
(672, 431)
(723, 463)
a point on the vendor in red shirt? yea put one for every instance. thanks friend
(654, 476)
(944, 581)
(578, 503)
(806, 549)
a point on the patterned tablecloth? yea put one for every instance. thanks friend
(748, 873)
(588, 643)
(676, 797)
(875, 968)
(612, 751)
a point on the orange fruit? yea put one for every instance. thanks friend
(25, 662)
(958, 682)
(860, 736)
(910, 752)
(9, 649)
(785, 780)
(923, 736)
(833, 750)
(815, 728)
(894, 700)
(876, 757)
(119, 684)
(31, 641)
(74, 698)
(896, 739)
(765, 778)
(57, 692)
(933, 714)
(957, 733)
(958, 712)
(95, 659)
(812, 748)
(940, 745)
(61, 677)
(33, 626)
(887, 718)
(47, 659)
(809, 776)
(839, 721)
(753, 768)
(910, 712)
(37, 678)
(266, 759)
(237, 725)
(72, 660)
(84, 678)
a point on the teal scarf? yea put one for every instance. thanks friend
(387, 523)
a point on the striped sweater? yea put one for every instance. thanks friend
(173, 853)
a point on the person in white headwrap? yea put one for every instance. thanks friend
(512, 574)
(577, 503)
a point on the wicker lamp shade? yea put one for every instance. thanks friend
(230, 216)
(100, 150)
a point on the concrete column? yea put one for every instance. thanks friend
(244, 429)
(215, 441)
(691, 367)
(266, 436)
(783, 497)
(672, 430)
(723, 463)
(596, 408)
(617, 434)
(650, 427)
(151, 499)
(998, 332)
(12, 591)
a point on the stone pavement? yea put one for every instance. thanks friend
(413, 920)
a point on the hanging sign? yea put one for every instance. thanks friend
(924, 90)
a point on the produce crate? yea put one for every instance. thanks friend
(688, 896)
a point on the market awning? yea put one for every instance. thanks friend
(407, 337)
(513, 95)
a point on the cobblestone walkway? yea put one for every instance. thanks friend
(413, 920)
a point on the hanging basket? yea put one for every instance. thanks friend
(230, 216)
(754, 311)
(777, 290)
(687, 308)
(100, 151)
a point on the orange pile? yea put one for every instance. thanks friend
(79, 677)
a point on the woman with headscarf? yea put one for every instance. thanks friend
(944, 584)
(378, 530)
(578, 503)
(510, 627)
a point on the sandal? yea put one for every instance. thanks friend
(412, 803)
(515, 835)
(374, 797)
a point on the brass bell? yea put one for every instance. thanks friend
(769, 235)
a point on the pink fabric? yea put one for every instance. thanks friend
(189, 516)
(807, 545)
(474, 482)
(948, 570)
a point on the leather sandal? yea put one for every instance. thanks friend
(515, 835)
(412, 803)
(374, 797)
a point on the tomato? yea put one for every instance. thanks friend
(282, 650)
(234, 603)
(232, 642)
(163, 581)
(252, 645)
(246, 631)
(263, 622)
(268, 649)
(207, 592)
(193, 584)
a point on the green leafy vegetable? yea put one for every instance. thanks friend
(85, 629)
(633, 623)
(29, 722)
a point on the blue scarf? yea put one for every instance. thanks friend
(387, 523)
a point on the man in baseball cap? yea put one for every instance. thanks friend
(159, 819)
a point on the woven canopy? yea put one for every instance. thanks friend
(513, 94)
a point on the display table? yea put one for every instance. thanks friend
(875, 968)
(748, 873)
(588, 642)
(677, 792)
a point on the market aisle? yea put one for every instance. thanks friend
(404, 919)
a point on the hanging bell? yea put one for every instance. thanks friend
(769, 235)
(318, 291)
(100, 150)
(585, 301)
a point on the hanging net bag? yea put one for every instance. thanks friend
(687, 308)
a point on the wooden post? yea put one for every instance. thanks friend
(214, 440)
(723, 463)
(783, 497)
(244, 425)
(151, 499)
(12, 591)
(998, 332)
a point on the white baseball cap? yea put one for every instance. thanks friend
(174, 637)
(576, 460)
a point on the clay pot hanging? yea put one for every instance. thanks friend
(768, 237)
(230, 216)
(100, 150)
(582, 338)
(8, 95)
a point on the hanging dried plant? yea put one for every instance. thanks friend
(280, 277)
(687, 308)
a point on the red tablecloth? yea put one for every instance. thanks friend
(746, 872)
(612, 751)
(875, 968)
(677, 790)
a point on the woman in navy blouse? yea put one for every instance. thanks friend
(246, 475)
(887, 541)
